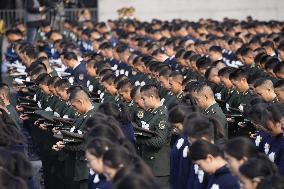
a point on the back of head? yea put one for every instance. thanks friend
(272, 182)
(241, 147)
(198, 126)
(258, 168)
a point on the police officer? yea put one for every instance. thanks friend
(156, 149)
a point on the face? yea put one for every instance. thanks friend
(205, 165)
(91, 71)
(264, 93)
(239, 84)
(248, 183)
(62, 94)
(78, 105)
(109, 172)
(109, 88)
(214, 76)
(165, 82)
(96, 164)
(52, 90)
(178, 128)
(125, 94)
(176, 86)
(45, 89)
(233, 164)
(148, 101)
(138, 100)
(214, 56)
(200, 100)
(226, 82)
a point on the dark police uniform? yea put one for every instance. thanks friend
(214, 111)
(156, 150)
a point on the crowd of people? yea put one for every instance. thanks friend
(131, 104)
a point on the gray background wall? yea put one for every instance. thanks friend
(194, 9)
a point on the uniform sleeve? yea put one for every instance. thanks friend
(76, 148)
(162, 132)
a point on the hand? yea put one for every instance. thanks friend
(55, 130)
(41, 9)
(60, 144)
(19, 108)
(24, 117)
(43, 127)
(54, 147)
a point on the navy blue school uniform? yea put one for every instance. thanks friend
(98, 181)
(275, 150)
(175, 157)
(128, 131)
(80, 74)
(261, 141)
(197, 178)
(223, 179)
(185, 165)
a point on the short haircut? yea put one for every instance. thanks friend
(150, 90)
(70, 56)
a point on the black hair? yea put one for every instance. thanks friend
(258, 167)
(151, 90)
(7, 180)
(16, 163)
(43, 79)
(109, 79)
(136, 181)
(241, 147)
(62, 84)
(271, 182)
(273, 113)
(98, 146)
(197, 125)
(134, 91)
(279, 84)
(70, 56)
(238, 73)
(216, 49)
(119, 112)
(203, 63)
(124, 83)
(178, 113)
(31, 52)
(279, 68)
(201, 149)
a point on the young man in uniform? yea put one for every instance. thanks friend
(156, 149)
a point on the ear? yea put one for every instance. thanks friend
(209, 158)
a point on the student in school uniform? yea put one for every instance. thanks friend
(94, 155)
(180, 143)
(210, 159)
(254, 170)
(274, 145)
(198, 126)
(272, 182)
(238, 151)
